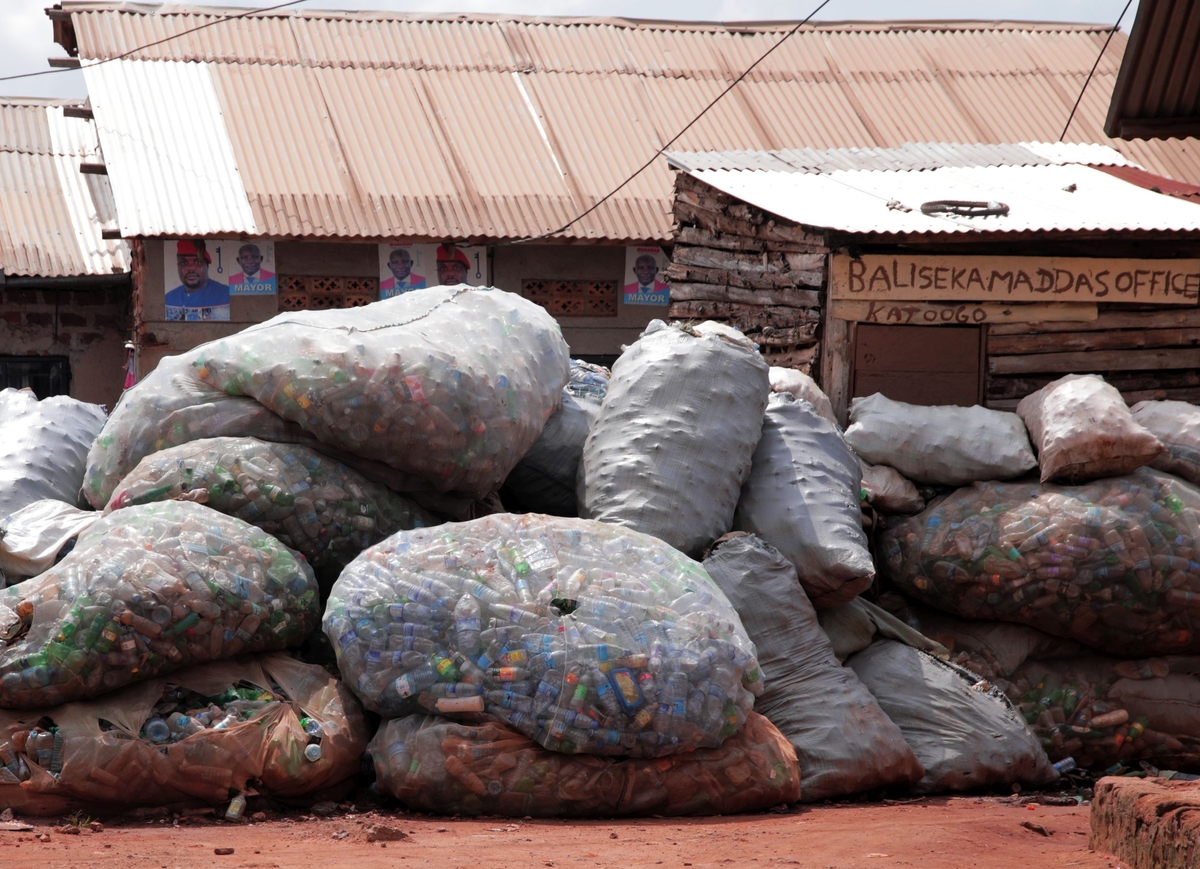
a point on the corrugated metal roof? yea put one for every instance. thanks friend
(914, 156)
(1157, 92)
(1064, 197)
(51, 215)
(383, 125)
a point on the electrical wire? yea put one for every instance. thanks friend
(674, 138)
(1095, 66)
(220, 20)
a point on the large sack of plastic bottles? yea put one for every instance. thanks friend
(33, 538)
(43, 447)
(307, 501)
(582, 636)
(672, 445)
(1095, 712)
(434, 765)
(1111, 564)
(450, 386)
(802, 497)
(201, 734)
(544, 480)
(145, 591)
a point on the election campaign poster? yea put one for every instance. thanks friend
(404, 267)
(643, 284)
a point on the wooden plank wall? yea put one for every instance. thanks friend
(736, 264)
(1145, 353)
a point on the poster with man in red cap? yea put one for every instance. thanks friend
(198, 296)
(404, 266)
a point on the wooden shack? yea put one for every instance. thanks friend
(945, 274)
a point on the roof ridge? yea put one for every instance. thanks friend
(766, 25)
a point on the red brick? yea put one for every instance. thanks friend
(107, 321)
(39, 319)
(21, 297)
(93, 298)
(66, 318)
(90, 338)
(13, 317)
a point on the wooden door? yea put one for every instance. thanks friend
(918, 364)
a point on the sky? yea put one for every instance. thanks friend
(26, 35)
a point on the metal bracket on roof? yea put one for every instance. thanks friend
(965, 208)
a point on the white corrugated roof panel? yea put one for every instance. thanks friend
(1042, 198)
(52, 217)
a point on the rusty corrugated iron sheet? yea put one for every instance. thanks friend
(51, 216)
(1157, 92)
(387, 125)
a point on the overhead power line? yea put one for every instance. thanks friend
(1095, 66)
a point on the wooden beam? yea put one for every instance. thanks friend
(93, 169)
(785, 296)
(78, 112)
(1163, 318)
(957, 313)
(835, 365)
(679, 273)
(64, 62)
(1056, 342)
(768, 315)
(1160, 128)
(1103, 360)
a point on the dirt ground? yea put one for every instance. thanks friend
(940, 833)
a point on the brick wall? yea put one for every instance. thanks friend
(92, 328)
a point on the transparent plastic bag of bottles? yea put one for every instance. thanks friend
(434, 765)
(1112, 564)
(307, 501)
(1104, 712)
(451, 386)
(148, 590)
(1100, 711)
(544, 480)
(583, 636)
(197, 735)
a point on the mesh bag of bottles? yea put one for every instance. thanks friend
(1111, 564)
(1104, 712)
(1099, 711)
(544, 480)
(672, 445)
(148, 590)
(434, 765)
(308, 501)
(585, 637)
(197, 735)
(450, 386)
(43, 447)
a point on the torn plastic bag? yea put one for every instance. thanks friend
(199, 735)
(965, 733)
(32, 538)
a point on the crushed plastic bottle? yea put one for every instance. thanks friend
(146, 591)
(306, 500)
(567, 667)
(1114, 564)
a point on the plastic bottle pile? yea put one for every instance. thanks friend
(308, 501)
(1111, 564)
(435, 765)
(148, 590)
(450, 385)
(582, 636)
